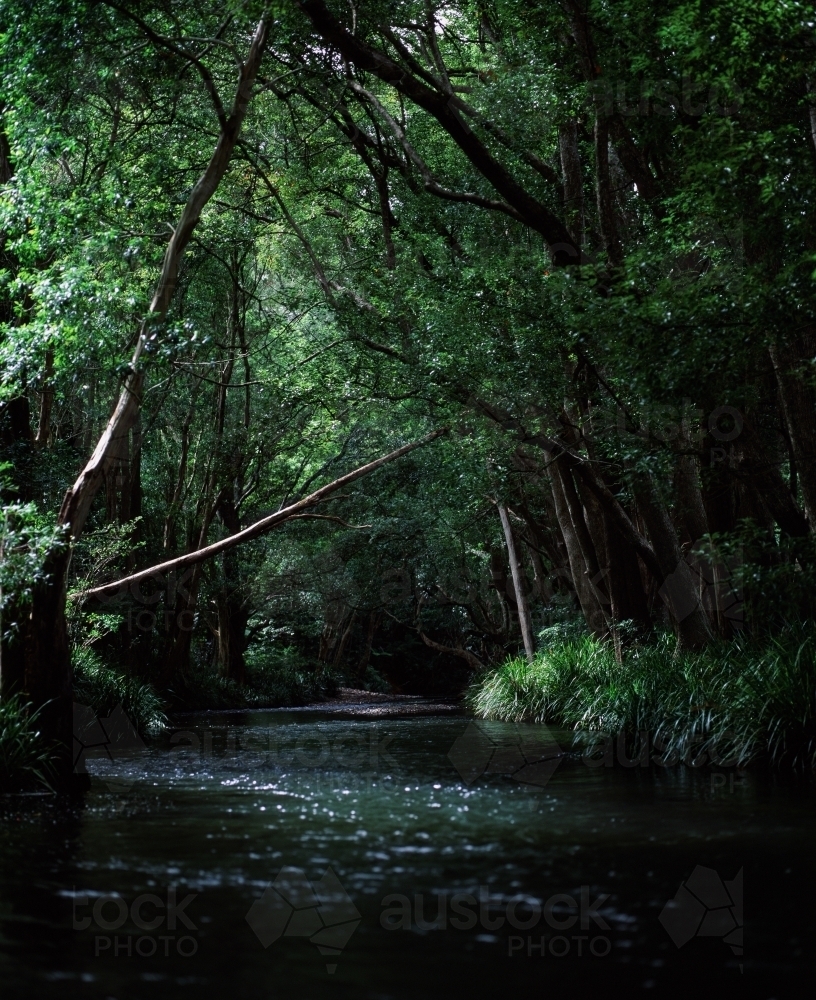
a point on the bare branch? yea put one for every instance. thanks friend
(265, 524)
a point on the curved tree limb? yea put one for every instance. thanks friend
(443, 108)
(459, 651)
(265, 524)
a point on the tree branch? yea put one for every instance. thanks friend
(442, 107)
(265, 524)
(79, 497)
(459, 651)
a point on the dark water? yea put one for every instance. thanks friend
(584, 857)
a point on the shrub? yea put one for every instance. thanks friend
(279, 679)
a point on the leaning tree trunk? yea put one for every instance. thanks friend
(618, 565)
(763, 469)
(48, 668)
(518, 585)
(798, 398)
(590, 606)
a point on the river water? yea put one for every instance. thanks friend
(344, 854)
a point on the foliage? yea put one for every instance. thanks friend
(280, 681)
(26, 537)
(736, 702)
(103, 688)
(25, 760)
(361, 277)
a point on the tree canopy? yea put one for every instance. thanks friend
(247, 248)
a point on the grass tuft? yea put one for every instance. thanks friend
(25, 760)
(102, 688)
(735, 702)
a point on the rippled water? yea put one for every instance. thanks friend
(584, 857)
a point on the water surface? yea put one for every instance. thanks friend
(223, 804)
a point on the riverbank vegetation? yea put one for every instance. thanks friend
(26, 759)
(731, 704)
(550, 267)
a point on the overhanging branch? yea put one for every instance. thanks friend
(259, 527)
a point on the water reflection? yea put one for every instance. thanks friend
(457, 879)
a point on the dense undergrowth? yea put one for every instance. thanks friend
(25, 759)
(103, 688)
(284, 680)
(287, 679)
(735, 702)
(280, 679)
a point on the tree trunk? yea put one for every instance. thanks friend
(603, 191)
(811, 89)
(232, 623)
(373, 621)
(586, 543)
(48, 672)
(626, 593)
(799, 407)
(586, 598)
(679, 589)
(618, 565)
(333, 618)
(573, 181)
(499, 582)
(690, 498)
(542, 585)
(47, 682)
(232, 614)
(345, 638)
(43, 436)
(719, 495)
(763, 468)
(518, 585)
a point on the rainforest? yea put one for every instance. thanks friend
(407, 406)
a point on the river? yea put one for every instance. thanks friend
(346, 853)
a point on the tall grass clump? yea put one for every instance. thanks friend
(25, 760)
(734, 702)
(103, 688)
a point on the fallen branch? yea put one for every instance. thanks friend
(259, 527)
